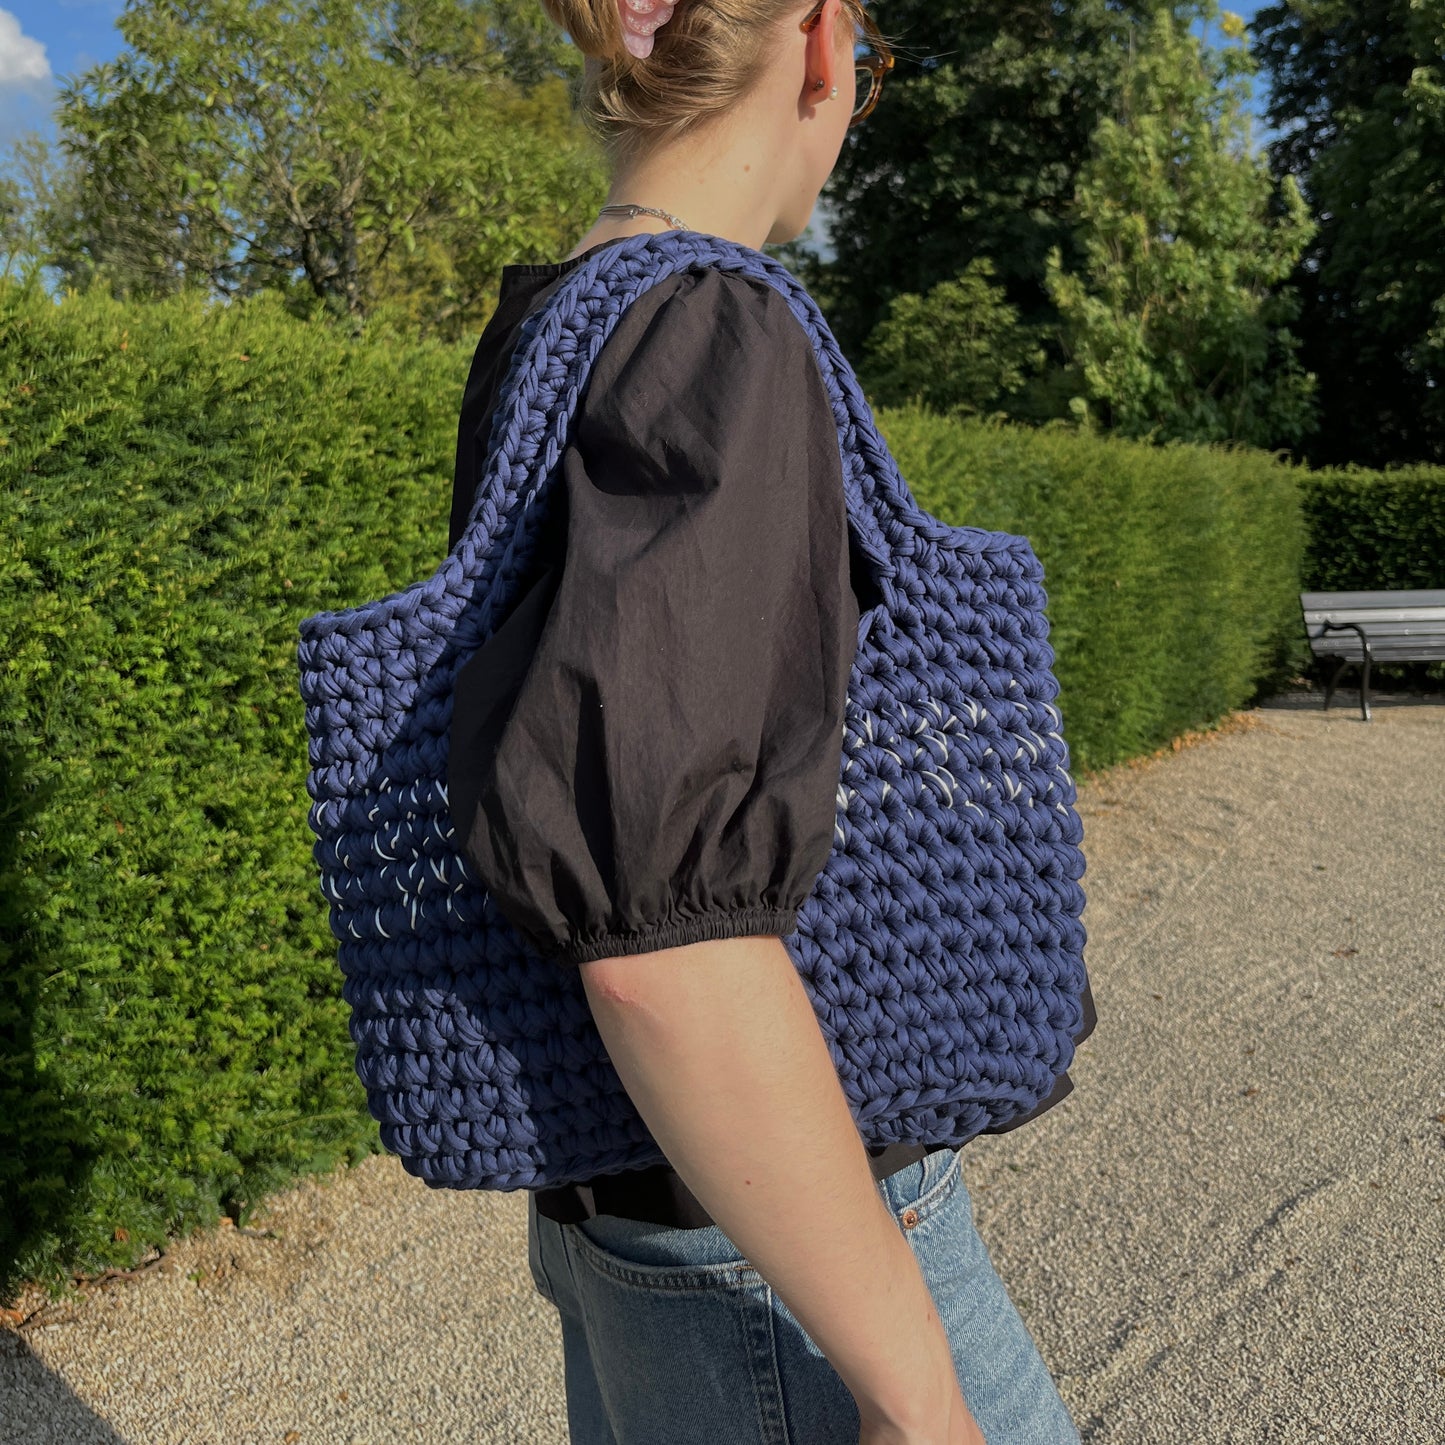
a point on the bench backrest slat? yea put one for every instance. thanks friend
(1419, 597)
(1423, 620)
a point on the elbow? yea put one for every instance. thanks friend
(615, 982)
(652, 985)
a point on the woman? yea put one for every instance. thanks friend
(644, 760)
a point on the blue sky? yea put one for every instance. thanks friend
(42, 40)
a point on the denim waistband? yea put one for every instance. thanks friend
(658, 1195)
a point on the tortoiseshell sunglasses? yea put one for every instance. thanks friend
(874, 65)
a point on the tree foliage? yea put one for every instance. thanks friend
(1327, 60)
(1358, 92)
(959, 350)
(1176, 320)
(387, 154)
(37, 186)
(973, 151)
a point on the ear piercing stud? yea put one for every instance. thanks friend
(832, 94)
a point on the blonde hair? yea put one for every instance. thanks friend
(703, 60)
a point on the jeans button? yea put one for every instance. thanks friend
(909, 1217)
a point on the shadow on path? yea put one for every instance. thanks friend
(37, 1404)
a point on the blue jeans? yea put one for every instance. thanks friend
(670, 1337)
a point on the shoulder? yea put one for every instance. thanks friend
(707, 375)
(731, 293)
(711, 289)
(711, 322)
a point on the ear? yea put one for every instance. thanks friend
(821, 61)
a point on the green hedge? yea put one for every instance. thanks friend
(1171, 573)
(1375, 529)
(180, 487)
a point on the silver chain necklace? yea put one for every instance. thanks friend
(631, 211)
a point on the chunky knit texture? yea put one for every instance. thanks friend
(942, 945)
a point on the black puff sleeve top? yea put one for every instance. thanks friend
(646, 752)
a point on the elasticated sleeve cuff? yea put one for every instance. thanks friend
(739, 923)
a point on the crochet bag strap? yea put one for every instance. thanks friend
(551, 362)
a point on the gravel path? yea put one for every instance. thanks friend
(1233, 1231)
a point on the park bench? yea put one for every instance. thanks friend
(1368, 627)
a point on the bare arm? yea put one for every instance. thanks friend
(721, 1054)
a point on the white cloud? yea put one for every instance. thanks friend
(23, 63)
(27, 88)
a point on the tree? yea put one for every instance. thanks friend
(1327, 61)
(959, 349)
(1358, 92)
(37, 190)
(354, 156)
(1175, 322)
(972, 152)
(14, 252)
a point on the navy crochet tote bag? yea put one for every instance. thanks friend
(942, 945)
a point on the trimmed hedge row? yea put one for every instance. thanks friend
(1375, 529)
(1171, 572)
(181, 486)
